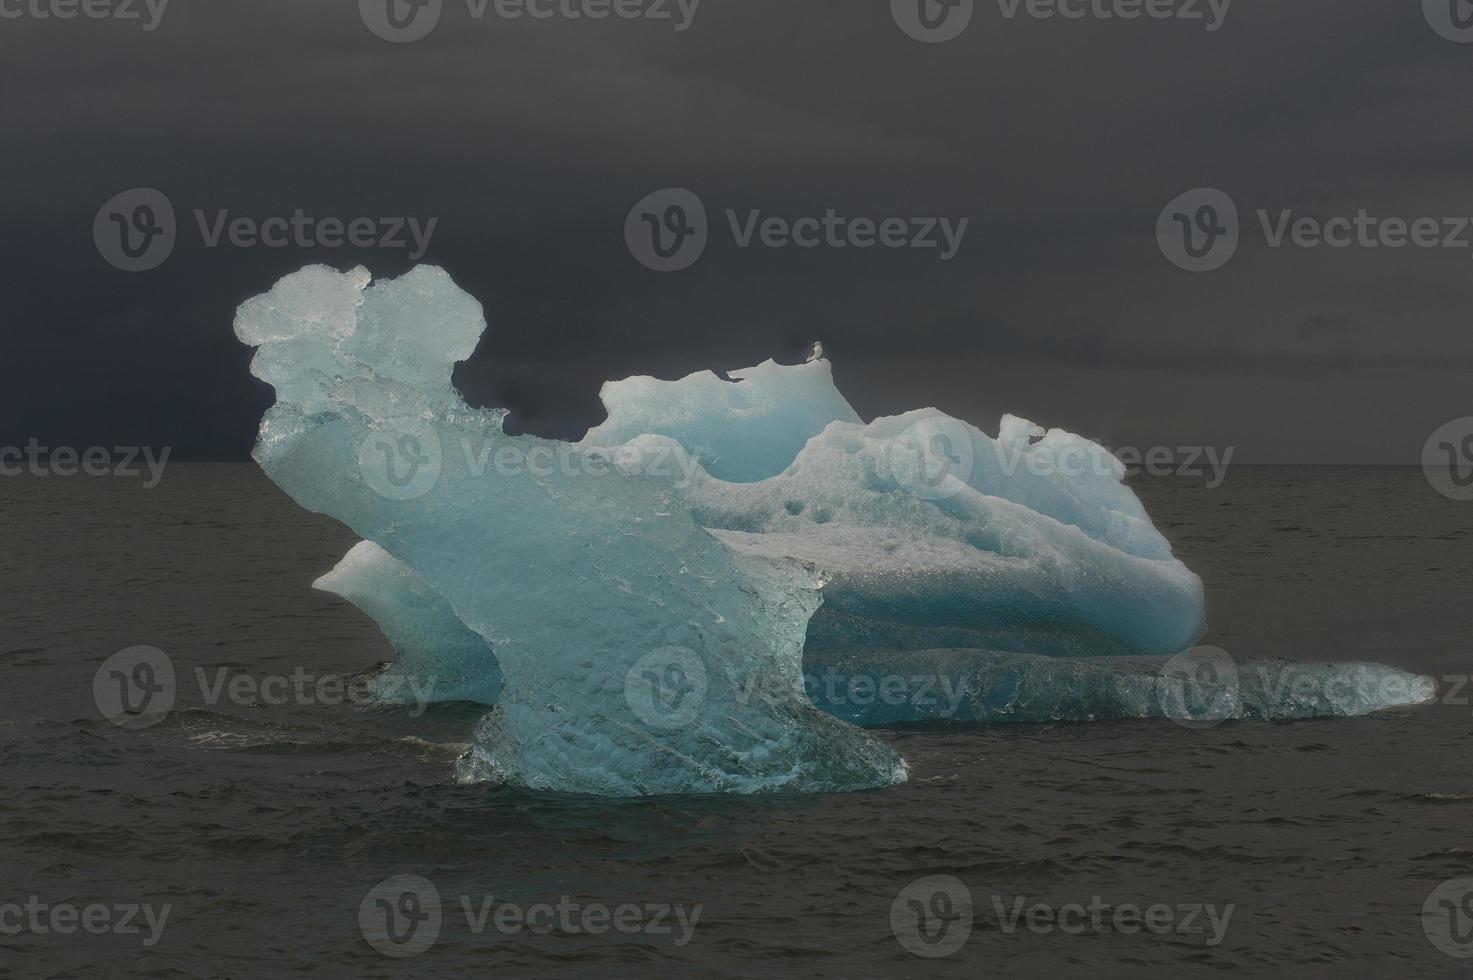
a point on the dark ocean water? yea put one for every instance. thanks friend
(264, 827)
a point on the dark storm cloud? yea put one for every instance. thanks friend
(529, 141)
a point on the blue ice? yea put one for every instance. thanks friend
(644, 611)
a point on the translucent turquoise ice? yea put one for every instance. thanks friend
(642, 607)
(439, 658)
(742, 431)
(584, 587)
(985, 687)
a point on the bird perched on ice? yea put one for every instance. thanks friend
(816, 354)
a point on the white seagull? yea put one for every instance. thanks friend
(816, 354)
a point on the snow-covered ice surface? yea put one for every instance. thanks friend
(652, 610)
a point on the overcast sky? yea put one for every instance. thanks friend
(530, 140)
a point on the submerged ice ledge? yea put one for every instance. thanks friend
(642, 616)
(440, 658)
(1201, 688)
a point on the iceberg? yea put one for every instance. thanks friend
(644, 611)
(439, 657)
(1199, 689)
(740, 431)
